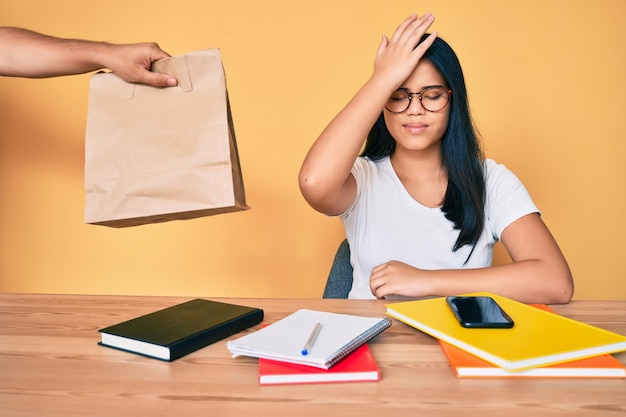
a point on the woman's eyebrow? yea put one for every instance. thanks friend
(423, 88)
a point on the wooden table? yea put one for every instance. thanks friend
(51, 365)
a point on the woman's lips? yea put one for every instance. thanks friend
(415, 127)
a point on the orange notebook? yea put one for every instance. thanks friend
(359, 366)
(465, 365)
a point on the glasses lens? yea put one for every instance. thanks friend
(435, 99)
(398, 102)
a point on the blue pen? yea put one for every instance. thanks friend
(311, 339)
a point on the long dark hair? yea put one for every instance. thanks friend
(464, 202)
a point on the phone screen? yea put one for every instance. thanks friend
(479, 312)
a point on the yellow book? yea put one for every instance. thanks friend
(539, 338)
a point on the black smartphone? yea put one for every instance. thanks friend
(479, 312)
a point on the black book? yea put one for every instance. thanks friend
(176, 331)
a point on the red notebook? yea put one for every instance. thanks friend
(466, 365)
(359, 366)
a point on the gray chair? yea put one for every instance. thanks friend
(339, 280)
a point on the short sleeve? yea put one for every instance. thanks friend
(506, 197)
(361, 173)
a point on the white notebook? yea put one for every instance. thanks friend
(284, 340)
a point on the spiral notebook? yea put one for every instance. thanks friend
(284, 340)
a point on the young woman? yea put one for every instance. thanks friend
(421, 207)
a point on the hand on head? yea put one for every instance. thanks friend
(397, 57)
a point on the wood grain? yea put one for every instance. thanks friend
(51, 365)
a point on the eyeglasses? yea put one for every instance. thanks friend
(432, 99)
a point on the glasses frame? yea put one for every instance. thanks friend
(419, 95)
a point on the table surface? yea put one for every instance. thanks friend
(51, 365)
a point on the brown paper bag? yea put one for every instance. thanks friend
(159, 154)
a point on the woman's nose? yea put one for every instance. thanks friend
(415, 106)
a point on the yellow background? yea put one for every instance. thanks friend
(546, 84)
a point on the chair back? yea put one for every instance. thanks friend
(339, 282)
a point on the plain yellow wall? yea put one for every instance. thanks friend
(546, 84)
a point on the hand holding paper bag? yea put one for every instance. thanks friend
(154, 155)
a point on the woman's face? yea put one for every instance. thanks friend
(417, 129)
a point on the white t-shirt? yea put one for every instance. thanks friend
(385, 223)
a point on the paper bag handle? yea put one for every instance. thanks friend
(177, 67)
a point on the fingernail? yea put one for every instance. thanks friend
(172, 82)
